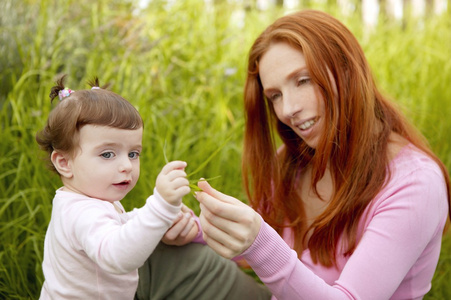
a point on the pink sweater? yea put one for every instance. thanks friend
(93, 252)
(397, 253)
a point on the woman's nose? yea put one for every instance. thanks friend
(291, 105)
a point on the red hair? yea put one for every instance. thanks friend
(355, 142)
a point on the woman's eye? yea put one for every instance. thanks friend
(133, 155)
(274, 97)
(107, 155)
(303, 80)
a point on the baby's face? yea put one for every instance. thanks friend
(106, 165)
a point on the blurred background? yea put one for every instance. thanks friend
(182, 64)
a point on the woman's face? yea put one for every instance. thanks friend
(287, 85)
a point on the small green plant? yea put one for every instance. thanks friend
(193, 182)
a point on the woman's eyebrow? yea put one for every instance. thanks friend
(293, 75)
(297, 73)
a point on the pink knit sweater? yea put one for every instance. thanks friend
(93, 252)
(397, 254)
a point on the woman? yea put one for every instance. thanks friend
(353, 204)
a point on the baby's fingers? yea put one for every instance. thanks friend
(173, 165)
(176, 175)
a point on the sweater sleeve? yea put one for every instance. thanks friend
(401, 235)
(199, 237)
(120, 248)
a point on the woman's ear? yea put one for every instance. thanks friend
(61, 163)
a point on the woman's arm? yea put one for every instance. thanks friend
(405, 223)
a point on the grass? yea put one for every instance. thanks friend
(183, 67)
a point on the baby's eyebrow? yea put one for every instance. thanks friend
(115, 145)
(106, 145)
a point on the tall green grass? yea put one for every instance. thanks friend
(182, 66)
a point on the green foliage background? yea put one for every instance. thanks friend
(182, 66)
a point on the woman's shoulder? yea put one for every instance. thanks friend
(415, 177)
(416, 187)
(409, 159)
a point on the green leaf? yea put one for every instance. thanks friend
(202, 165)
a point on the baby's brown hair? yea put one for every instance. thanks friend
(97, 106)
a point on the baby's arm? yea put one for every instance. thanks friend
(172, 183)
(120, 248)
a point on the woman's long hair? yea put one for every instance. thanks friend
(359, 121)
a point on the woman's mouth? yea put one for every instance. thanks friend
(307, 124)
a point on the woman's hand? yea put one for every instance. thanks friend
(229, 226)
(183, 231)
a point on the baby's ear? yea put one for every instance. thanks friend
(61, 163)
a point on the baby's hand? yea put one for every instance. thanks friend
(184, 229)
(172, 183)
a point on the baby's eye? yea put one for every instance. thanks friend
(133, 155)
(107, 155)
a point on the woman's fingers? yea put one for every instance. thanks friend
(220, 248)
(186, 209)
(224, 209)
(219, 220)
(229, 238)
(229, 226)
(207, 188)
(222, 242)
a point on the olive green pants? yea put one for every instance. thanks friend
(195, 271)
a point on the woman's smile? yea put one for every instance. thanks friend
(307, 124)
(288, 86)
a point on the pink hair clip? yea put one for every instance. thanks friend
(64, 93)
(95, 88)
